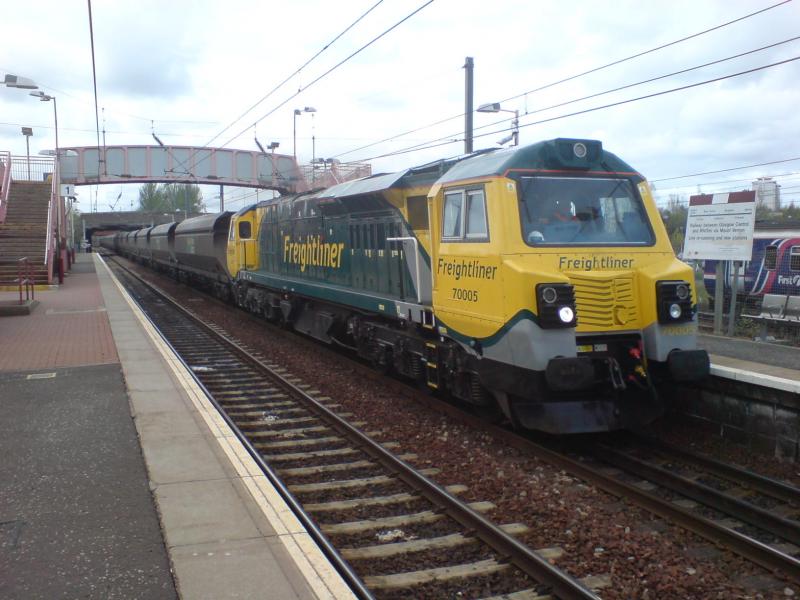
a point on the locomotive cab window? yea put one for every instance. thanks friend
(771, 258)
(794, 258)
(245, 230)
(464, 216)
(576, 211)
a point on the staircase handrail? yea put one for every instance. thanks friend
(25, 278)
(49, 238)
(5, 182)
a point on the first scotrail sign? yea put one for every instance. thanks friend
(720, 226)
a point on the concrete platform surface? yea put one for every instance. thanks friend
(77, 519)
(96, 504)
(228, 532)
(766, 355)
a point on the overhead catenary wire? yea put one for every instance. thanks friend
(627, 86)
(296, 71)
(320, 77)
(438, 142)
(333, 68)
(573, 77)
(650, 51)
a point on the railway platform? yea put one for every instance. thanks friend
(116, 480)
(766, 362)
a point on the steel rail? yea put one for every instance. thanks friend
(339, 563)
(744, 511)
(511, 549)
(751, 549)
(759, 483)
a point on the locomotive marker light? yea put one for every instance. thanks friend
(549, 295)
(556, 304)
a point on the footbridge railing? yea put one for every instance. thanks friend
(184, 164)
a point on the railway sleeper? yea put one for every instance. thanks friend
(438, 543)
(318, 453)
(335, 468)
(405, 580)
(320, 441)
(420, 518)
(352, 483)
(259, 410)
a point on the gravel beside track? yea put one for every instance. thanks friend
(600, 535)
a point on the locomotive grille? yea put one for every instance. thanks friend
(605, 301)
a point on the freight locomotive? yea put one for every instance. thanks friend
(534, 282)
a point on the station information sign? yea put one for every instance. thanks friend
(720, 226)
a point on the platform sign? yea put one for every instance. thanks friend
(720, 226)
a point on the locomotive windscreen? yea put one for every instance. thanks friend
(577, 211)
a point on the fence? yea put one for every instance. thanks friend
(34, 168)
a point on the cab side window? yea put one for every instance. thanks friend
(245, 230)
(453, 215)
(476, 226)
(464, 216)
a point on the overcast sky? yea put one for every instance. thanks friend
(192, 67)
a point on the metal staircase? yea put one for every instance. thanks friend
(23, 233)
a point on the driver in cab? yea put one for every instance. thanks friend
(555, 223)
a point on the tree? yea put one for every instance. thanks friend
(674, 217)
(170, 198)
(151, 199)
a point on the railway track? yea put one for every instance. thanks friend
(759, 515)
(386, 526)
(743, 536)
(750, 515)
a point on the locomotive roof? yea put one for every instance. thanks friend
(560, 154)
(551, 155)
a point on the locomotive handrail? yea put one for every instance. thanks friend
(417, 281)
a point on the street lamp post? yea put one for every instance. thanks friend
(297, 111)
(60, 224)
(46, 98)
(272, 146)
(28, 132)
(494, 107)
(14, 81)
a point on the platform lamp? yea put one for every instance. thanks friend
(46, 98)
(297, 111)
(494, 107)
(28, 132)
(272, 146)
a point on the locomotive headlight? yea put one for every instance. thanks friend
(675, 311)
(674, 301)
(555, 305)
